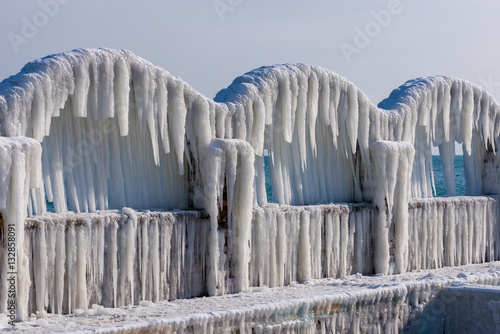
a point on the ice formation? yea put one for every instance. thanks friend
(230, 165)
(300, 243)
(117, 131)
(115, 259)
(127, 257)
(393, 161)
(452, 231)
(20, 165)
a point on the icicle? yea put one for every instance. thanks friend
(232, 161)
(394, 161)
(121, 94)
(312, 109)
(352, 116)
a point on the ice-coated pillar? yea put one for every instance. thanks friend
(392, 163)
(229, 163)
(20, 170)
(491, 173)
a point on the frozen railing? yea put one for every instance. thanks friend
(117, 131)
(117, 258)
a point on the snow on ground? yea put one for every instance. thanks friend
(258, 304)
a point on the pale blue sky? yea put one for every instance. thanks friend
(189, 39)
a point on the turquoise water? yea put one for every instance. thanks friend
(269, 186)
(439, 177)
(437, 169)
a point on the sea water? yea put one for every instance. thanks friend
(458, 165)
(437, 170)
(436, 166)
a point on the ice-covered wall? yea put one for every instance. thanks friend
(299, 243)
(115, 259)
(120, 258)
(453, 231)
(474, 308)
(447, 300)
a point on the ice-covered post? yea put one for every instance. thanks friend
(232, 161)
(20, 170)
(393, 162)
(490, 172)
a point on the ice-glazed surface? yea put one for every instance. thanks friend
(115, 130)
(476, 310)
(410, 302)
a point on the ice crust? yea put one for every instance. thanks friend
(415, 302)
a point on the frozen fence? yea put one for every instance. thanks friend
(103, 129)
(121, 258)
(115, 259)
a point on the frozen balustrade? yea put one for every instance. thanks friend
(77, 261)
(298, 243)
(119, 258)
(453, 231)
(117, 131)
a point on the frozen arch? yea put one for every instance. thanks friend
(99, 107)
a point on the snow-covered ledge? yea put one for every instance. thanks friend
(20, 170)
